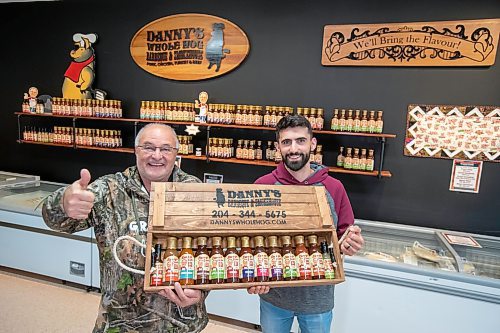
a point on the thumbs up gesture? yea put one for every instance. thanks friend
(77, 200)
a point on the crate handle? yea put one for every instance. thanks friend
(122, 265)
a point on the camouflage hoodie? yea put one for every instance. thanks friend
(121, 208)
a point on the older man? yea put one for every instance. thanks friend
(117, 205)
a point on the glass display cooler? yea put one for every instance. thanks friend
(451, 255)
(413, 279)
(28, 244)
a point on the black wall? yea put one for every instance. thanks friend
(283, 68)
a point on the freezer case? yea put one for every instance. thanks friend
(28, 244)
(412, 279)
(433, 253)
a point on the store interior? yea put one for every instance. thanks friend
(282, 68)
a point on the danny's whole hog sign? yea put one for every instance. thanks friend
(189, 47)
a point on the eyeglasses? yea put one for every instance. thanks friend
(164, 150)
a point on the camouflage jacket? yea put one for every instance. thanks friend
(121, 208)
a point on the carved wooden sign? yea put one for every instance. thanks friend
(444, 43)
(214, 207)
(189, 47)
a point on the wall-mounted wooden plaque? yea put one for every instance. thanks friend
(443, 43)
(189, 47)
(193, 210)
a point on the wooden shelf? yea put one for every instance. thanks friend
(171, 122)
(383, 173)
(119, 150)
(76, 117)
(375, 135)
(46, 143)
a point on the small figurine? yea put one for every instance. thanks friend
(203, 106)
(32, 99)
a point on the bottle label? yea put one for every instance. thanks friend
(304, 263)
(335, 124)
(186, 266)
(329, 271)
(276, 264)
(261, 264)
(364, 126)
(355, 163)
(157, 275)
(171, 266)
(290, 266)
(342, 125)
(202, 266)
(369, 165)
(217, 267)
(247, 265)
(317, 265)
(320, 122)
(357, 125)
(232, 266)
(371, 126)
(347, 163)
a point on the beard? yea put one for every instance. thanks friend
(299, 164)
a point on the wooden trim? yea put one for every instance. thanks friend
(240, 285)
(383, 173)
(324, 207)
(158, 195)
(46, 143)
(374, 135)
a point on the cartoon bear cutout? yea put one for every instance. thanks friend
(215, 51)
(80, 74)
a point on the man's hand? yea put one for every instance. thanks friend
(258, 290)
(182, 297)
(77, 200)
(353, 242)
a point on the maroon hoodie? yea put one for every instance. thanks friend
(340, 206)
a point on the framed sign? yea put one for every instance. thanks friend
(466, 176)
(212, 178)
(189, 47)
(453, 132)
(463, 240)
(443, 43)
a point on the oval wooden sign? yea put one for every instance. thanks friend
(189, 47)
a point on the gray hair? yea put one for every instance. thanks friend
(137, 138)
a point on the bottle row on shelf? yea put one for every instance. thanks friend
(83, 107)
(362, 121)
(87, 107)
(37, 109)
(343, 120)
(253, 150)
(350, 158)
(353, 160)
(83, 136)
(185, 145)
(279, 261)
(357, 123)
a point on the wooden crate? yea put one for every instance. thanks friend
(186, 209)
